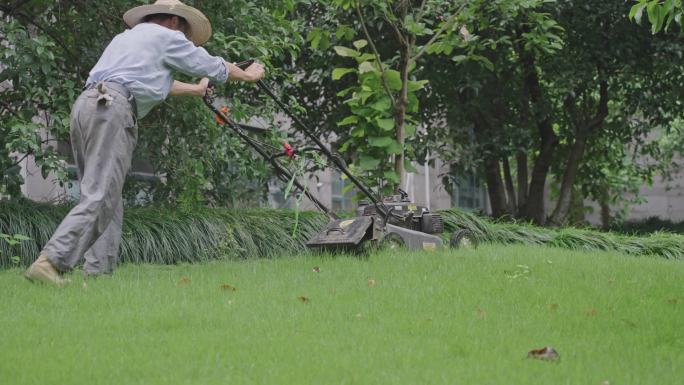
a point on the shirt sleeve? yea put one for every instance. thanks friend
(185, 57)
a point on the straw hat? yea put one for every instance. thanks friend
(199, 26)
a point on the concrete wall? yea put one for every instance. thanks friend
(665, 200)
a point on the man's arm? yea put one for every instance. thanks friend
(186, 89)
(184, 56)
(253, 73)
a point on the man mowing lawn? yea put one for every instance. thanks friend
(132, 76)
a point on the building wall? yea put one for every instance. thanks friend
(665, 200)
(41, 189)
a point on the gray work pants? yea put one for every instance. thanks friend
(103, 135)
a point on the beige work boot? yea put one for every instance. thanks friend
(42, 271)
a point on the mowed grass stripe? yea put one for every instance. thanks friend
(400, 318)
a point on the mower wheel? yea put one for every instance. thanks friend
(392, 241)
(463, 239)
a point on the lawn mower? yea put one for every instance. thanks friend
(391, 222)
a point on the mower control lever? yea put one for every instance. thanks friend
(244, 64)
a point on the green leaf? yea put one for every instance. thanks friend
(393, 148)
(338, 73)
(352, 119)
(346, 52)
(366, 66)
(408, 166)
(288, 189)
(392, 176)
(382, 141)
(409, 130)
(385, 124)
(344, 92)
(416, 85)
(382, 105)
(636, 12)
(358, 132)
(348, 187)
(365, 57)
(368, 163)
(393, 79)
(360, 43)
(314, 36)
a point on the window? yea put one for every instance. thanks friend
(341, 200)
(469, 193)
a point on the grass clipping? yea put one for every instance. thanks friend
(169, 236)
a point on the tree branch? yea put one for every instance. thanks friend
(397, 32)
(16, 163)
(9, 108)
(421, 10)
(434, 37)
(377, 55)
(602, 111)
(74, 58)
(9, 9)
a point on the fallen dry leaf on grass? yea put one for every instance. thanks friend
(303, 299)
(481, 313)
(184, 281)
(673, 301)
(371, 282)
(546, 353)
(316, 269)
(227, 287)
(553, 306)
(591, 313)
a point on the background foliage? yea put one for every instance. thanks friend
(526, 94)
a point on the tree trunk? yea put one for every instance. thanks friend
(400, 117)
(534, 210)
(495, 187)
(605, 209)
(495, 184)
(582, 131)
(575, 215)
(510, 189)
(571, 167)
(521, 165)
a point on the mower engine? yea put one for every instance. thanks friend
(405, 224)
(406, 214)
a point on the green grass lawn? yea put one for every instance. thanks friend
(453, 317)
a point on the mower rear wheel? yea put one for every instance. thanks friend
(463, 239)
(392, 241)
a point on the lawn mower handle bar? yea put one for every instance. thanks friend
(340, 165)
(283, 173)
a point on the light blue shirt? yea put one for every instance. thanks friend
(142, 59)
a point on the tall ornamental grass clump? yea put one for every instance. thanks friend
(167, 235)
(667, 245)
